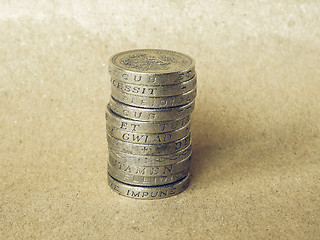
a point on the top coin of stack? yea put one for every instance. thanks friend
(148, 122)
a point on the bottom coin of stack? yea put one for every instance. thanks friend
(148, 159)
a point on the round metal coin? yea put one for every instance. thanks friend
(152, 67)
(149, 193)
(139, 180)
(154, 102)
(148, 149)
(148, 138)
(145, 114)
(149, 170)
(149, 160)
(154, 91)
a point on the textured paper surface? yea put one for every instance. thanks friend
(255, 170)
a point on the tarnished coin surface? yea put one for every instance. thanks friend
(152, 67)
(154, 102)
(154, 91)
(149, 193)
(151, 160)
(128, 125)
(148, 138)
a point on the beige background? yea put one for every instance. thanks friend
(256, 170)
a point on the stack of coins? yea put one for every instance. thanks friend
(148, 122)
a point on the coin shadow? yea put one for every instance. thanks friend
(209, 138)
(203, 145)
(221, 152)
